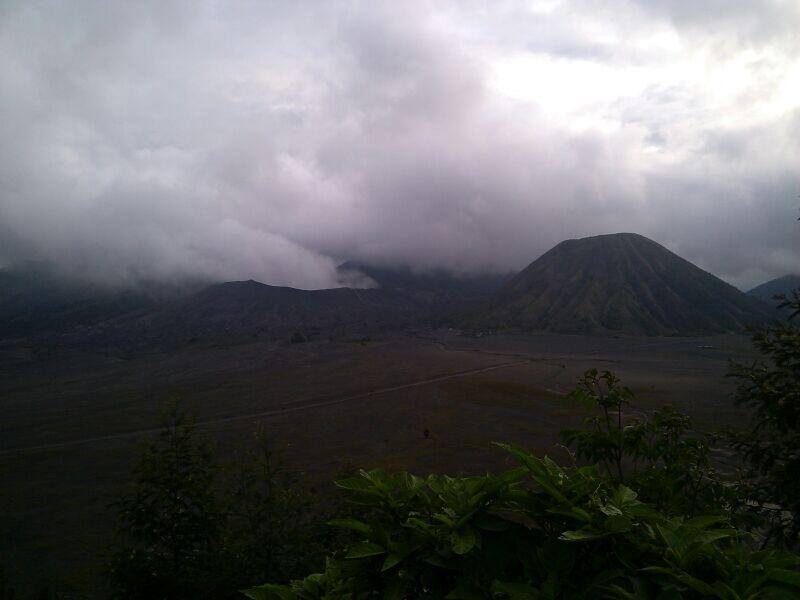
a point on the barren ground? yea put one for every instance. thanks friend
(73, 420)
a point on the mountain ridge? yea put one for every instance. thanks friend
(615, 283)
(780, 285)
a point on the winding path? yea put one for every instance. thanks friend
(267, 413)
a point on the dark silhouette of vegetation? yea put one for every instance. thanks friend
(191, 528)
(275, 525)
(6, 590)
(538, 531)
(170, 516)
(771, 444)
(656, 454)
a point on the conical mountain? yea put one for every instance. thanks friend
(620, 283)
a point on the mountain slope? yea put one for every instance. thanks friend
(36, 303)
(445, 297)
(35, 299)
(440, 281)
(242, 311)
(782, 285)
(620, 283)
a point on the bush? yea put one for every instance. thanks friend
(170, 517)
(648, 517)
(770, 447)
(191, 529)
(538, 531)
(655, 453)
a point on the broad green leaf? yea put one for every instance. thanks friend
(365, 549)
(625, 495)
(704, 521)
(391, 561)
(618, 524)
(784, 576)
(573, 512)
(438, 561)
(353, 524)
(463, 540)
(356, 484)
(581, 535)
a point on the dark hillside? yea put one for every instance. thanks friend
(35, 300)
(37, 303)
(446, 298)
(782, 285)
(242, 311)
(440, 281)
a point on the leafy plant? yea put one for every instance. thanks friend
(535, 532)
(657, 454)
(770, 447)
(604, 439)
(170, 517)
(273, 528)
(191, 529)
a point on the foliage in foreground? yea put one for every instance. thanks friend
(771, 444)
(535, 532)
(648, 518)
(656, 454)
(191, 529)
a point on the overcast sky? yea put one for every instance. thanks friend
(272, 140)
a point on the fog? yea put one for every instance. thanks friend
(269, 140)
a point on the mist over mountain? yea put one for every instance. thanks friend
(36, 302)
(619, 283)
(36, 298)
(242, 311)
(439, 280)
(240, 140)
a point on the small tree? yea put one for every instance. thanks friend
(655, 454)
(770, 447)
(187, 531)
(170, 519)
(271, 531)
(603, 439)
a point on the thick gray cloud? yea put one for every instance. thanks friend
(272, 140)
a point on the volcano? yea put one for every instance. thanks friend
(620, 283)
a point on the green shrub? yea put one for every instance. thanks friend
(190, 528)
(770, 447)
(538, 531)
(656, 454)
